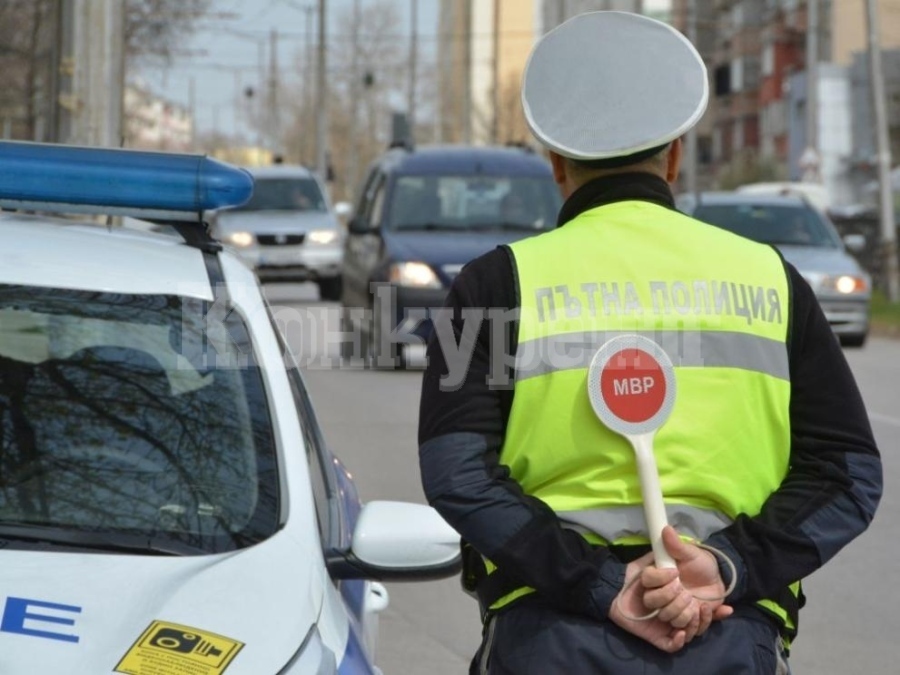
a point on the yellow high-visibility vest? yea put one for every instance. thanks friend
(718, 305)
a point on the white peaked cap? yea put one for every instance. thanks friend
(606, 85)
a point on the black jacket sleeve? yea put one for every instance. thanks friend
(828, 498)
(462, 419)
(834, 480)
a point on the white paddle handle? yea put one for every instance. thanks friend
(651, 492)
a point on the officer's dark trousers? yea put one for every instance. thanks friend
(530, 639)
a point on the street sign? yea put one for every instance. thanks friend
(631, 385)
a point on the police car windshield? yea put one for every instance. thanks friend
(781, 225)
(132, 416)
(473, 203)
(285, 194)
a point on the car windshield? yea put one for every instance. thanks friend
(474, 202)
(132, 418)
(781, 225)
(285, 194)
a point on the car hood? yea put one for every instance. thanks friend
(818, 260)
(274, 222)
(448, 248)
(85, 613)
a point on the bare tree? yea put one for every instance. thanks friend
(383, 59)
(154, 29)
(24, 63)
(31, 52)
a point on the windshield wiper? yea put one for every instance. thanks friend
(111, 542)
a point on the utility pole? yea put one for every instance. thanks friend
(495, 58)
(885, 189)
(273, 103)
(99, 73)
(413, 57)
(54, 73)
(307, 83)
(810, 158)
(239, 103)
(691, 139)
(256, 105)
(321, 96)
(355, 85)
(67, 94)
(192, 107)
(467, 71)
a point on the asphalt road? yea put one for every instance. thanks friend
(369, 419)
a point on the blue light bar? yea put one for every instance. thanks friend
(65, 178)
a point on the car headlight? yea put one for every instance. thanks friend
(415, 274)
(241, 239)
(322, 236)
(846, 284)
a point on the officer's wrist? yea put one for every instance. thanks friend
(611, 582)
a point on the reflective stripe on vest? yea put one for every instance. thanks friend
(684, 348)
(631, 267)
(626, 525)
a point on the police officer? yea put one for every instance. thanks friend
(767, 458)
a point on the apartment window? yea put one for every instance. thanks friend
(704, 150)
(750, 73)
(737, 16)
(737, 75)
(737, 138)
(768, 59)
(722, 76)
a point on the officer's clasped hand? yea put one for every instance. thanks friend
(669, 607)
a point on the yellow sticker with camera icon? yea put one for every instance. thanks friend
(172, 649)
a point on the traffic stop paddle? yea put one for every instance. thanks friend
(631, 384)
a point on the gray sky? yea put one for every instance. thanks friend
(225, 58)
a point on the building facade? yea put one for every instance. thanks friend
(756, 51)
(554, 12)
(482, 50)
(153, 123)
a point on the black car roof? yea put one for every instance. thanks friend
(459, 159)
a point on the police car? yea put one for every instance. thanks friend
(167, 502)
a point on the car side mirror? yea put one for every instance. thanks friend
(359, 226)
(855, 242)
(398, 541)
(343, 209)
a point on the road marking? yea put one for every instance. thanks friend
(885, 419)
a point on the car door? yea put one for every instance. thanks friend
(364, 243)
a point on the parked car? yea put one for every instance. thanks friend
(808, 240)
(288, 231)
(168, 503)
(421, 215)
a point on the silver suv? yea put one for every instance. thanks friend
(807, 240)
(288, 231)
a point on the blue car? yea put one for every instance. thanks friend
(421, 215)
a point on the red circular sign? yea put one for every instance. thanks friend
(633, 385)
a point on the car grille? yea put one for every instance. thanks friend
(279, 239)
